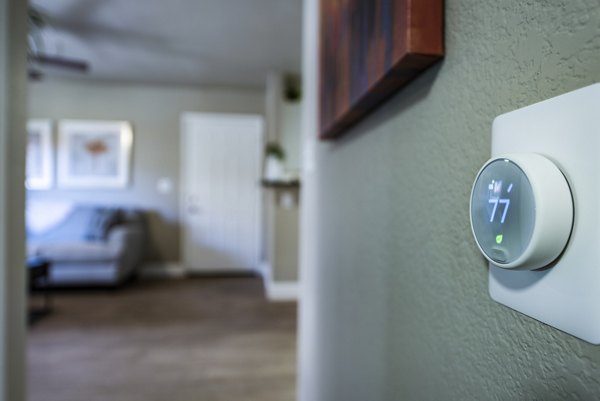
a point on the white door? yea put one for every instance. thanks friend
(221, 168)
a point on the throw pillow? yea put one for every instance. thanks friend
(102, 220)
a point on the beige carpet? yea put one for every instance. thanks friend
(196, 339)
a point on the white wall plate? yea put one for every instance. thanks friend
(566, 130)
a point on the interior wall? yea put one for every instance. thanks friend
(286, 214)
(154, 112)
(13, 93)
(402, 310)
(281, 217)
(286, 239)
(290, 133)
(310, 374)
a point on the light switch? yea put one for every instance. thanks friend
(534, 212)
(164, 185)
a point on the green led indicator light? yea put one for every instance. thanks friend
(499, 238)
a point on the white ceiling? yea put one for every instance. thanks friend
(199, 42)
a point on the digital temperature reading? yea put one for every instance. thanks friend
(496, 187)
(503, 211)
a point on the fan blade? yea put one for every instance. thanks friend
(60, 62)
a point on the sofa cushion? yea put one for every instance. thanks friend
(101, 221)
(75, 251)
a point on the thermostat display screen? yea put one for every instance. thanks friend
(503, 211)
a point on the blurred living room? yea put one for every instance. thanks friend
(162, 199)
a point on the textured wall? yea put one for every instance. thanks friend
(154, 112)
(404, 311)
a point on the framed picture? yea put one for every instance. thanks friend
(40, 156)
(369, 50)
(94, 154)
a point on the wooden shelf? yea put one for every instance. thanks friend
(280, 184)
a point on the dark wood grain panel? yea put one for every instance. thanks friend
(369, 50)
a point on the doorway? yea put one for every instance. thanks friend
(220, 192)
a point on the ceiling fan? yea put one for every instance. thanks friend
(38, 58)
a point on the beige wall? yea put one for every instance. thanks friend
(287, 215)
(395, 293)
(281, 218)
(155, 113)
(285, 266)
(290, 132)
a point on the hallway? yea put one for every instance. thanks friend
(203, 339)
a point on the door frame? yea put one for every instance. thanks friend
(13, 134)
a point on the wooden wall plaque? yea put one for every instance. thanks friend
(368, 50)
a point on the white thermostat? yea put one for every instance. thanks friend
(535, 216)
(521, 211)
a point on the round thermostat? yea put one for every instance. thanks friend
(521, 211)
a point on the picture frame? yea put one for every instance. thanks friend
(94, 154)
(368, 51)
(40, 155)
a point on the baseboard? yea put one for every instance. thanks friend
(277, 291)
(264, 270)
(166, 270)
(282, 290)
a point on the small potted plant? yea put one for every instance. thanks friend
(274, 158)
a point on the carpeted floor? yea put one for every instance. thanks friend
(202, 339)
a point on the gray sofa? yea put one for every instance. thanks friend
(92, 245)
